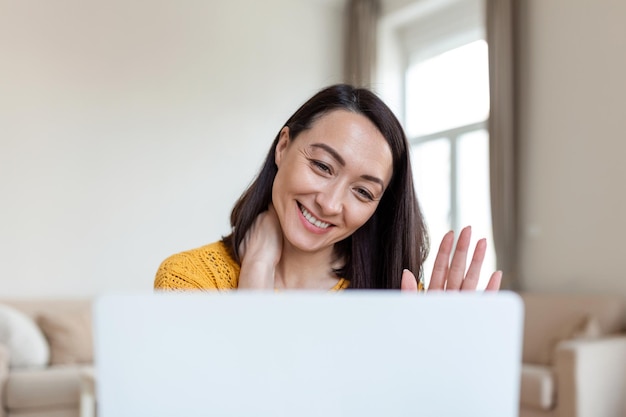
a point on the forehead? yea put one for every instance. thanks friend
(354, 137)
(346, 124)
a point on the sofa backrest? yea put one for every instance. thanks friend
(36, 307)
(553, 318)
(66, 325)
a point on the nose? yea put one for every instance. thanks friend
(330, 200)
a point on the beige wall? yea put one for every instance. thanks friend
(129, 128)
(572, 122)
(120, 122)
(572, 97)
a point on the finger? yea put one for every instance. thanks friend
(459, 260)
(409, 282)
(440, 267)
(494, 281)
(241, 250)
(271, 214)
(473, 273)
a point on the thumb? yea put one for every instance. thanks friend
(409, 282)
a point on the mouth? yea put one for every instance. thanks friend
(312, 219)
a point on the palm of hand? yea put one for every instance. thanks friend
(451, 275)
(260, 251)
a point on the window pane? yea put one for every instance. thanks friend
(449, 90)
(431, 171)
(473, 199)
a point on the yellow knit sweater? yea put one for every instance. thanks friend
(209, 267)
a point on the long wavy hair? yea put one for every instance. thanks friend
(394, 237)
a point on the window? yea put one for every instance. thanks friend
(445, 107)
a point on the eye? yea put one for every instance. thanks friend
(364, 193)
(320, 166)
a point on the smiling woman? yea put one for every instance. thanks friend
(333, 207)
(329, 181)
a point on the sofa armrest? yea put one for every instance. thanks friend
(4, 374)
(591, 377)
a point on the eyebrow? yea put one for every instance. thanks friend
(342, 162)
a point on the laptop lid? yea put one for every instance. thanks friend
(356, 353)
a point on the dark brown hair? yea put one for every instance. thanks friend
(394, 237)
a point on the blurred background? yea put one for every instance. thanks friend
(129, 128)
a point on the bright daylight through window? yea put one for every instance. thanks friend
(446, 108)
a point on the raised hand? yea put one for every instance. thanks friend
(450, 275)
(260, 252)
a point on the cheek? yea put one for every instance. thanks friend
(278, 189)
(297, 178)
(360, 215)
(285, 184)
(281, 184)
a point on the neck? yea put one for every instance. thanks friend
(305, 270)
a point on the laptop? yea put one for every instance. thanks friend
(308, 354)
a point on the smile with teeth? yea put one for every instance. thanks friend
(311, 219)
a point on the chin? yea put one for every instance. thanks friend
(305, 245)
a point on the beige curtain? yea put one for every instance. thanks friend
(362, 20)
(502, 131)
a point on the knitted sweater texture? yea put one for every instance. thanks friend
(209, 267)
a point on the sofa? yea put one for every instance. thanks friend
(574, 356)
(45, 348)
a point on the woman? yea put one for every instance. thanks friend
(333, 207)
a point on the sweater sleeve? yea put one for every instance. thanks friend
(207, 268)
(178, 272)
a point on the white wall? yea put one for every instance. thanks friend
(128, 128)
(572, 125)
(572, 97)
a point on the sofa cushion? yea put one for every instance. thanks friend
(26, 343)
(36, 388)
(69, 334)
(584, 328)
(47, 412)
(551, 319)
(538, 387)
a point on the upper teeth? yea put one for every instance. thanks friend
(313, 220)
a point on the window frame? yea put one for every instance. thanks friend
(412, 34)
(452, 136)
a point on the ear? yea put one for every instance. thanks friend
(281, 146)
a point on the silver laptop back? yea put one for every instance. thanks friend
(308, 354)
